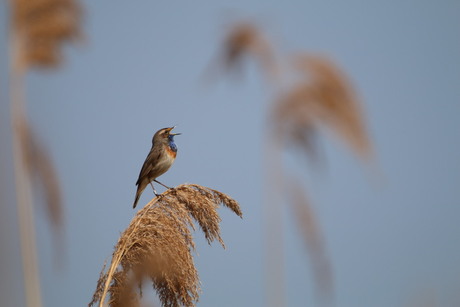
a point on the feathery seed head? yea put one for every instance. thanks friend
(157, 245)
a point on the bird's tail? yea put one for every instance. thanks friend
(136, 199)
(140, 189)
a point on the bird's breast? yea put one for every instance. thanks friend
(162, 165)
(171, 153)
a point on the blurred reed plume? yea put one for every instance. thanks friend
(242, 41)
(38, 29)
(157, 245)
(323, 97)
(320, 97)
(41, 27)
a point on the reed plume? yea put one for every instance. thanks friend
(245, 39)
(38, 29)
(42, 27)
(241, 41)
(320, 97)
(157, 245)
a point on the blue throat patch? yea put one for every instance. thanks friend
(172, 145)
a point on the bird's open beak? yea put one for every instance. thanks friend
(173, 133)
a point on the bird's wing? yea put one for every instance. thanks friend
(149, 163)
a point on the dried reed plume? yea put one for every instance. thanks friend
(244, 40)
(322, 97)
(157, 245)
(38, 29)
(41, 27)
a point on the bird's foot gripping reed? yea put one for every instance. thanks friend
(157, 245)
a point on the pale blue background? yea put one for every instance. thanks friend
(393, 239)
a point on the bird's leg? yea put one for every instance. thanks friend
(161, 184)
(154, 191)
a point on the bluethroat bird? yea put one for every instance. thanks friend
(158, 161)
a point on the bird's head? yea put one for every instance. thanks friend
(164, 135)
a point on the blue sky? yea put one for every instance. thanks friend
(392, 237)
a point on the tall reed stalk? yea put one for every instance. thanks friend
(22, 182)
(37, 30)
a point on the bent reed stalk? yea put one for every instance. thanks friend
(157, 245)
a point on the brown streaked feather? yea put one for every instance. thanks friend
(158, 161)
(146, 170)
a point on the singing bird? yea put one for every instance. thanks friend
(158, 161)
